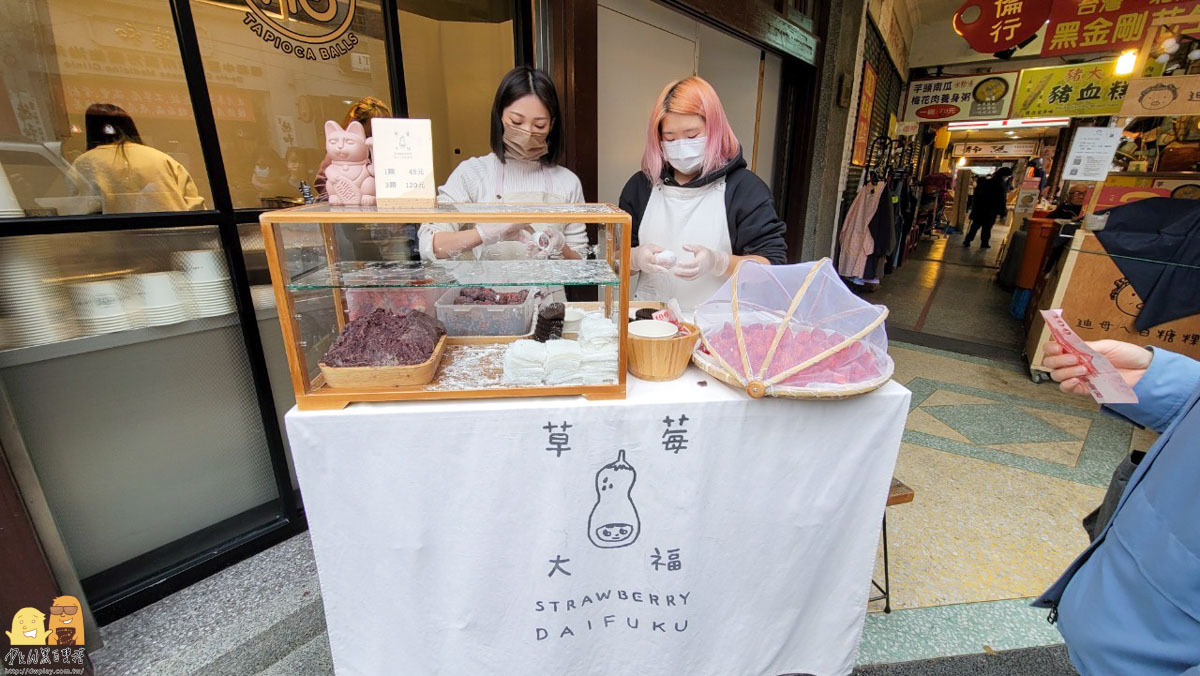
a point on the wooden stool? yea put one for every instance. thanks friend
(898, 494)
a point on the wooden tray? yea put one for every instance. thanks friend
(417, 375)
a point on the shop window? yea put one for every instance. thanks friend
(132, 338)
(276, 75)
(455, 55)
(121, 60)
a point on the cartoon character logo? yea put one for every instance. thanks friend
(28, 628)
(614, 519)
(66, 622)
(1158, 96)
(1126, 298)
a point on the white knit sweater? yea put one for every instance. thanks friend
(475, 180)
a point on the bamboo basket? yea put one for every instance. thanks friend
(759, 386)
(416, 375)
(662, 359)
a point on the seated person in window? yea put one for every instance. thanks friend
(129, 175)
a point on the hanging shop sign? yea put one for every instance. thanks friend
(307, 29)
(969, 97)
(1082, 26)
(1079, 90)
(1001, 149)
(1115, 196)
(907, 128)
(995, 25)
(866, 103)
(1092, 152)
(1158, 96)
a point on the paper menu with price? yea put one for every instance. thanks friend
(1103, 381)
(402, 150)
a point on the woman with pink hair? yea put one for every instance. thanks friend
(697, 210)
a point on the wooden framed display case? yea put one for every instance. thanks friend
(330, 265)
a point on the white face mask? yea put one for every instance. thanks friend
(685, 154)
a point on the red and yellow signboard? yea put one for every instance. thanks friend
(1083, 26)
(995, 25)
(866, 102)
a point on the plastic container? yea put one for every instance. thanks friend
(486, 320)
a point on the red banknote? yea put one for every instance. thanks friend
(1103, 381)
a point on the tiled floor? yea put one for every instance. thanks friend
(949, 291)
(1003, 470)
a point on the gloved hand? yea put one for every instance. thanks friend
(492, 233)
(642, 258)
(706, 261)
(546, 243)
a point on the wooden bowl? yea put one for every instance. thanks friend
(660, 359)
(416, 375)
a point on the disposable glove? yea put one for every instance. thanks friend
(706, 261)
(546, 243)
(491, 233)
(643, 258)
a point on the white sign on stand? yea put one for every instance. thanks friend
(1092, 153)
(403, 154)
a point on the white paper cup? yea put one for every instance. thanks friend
(157, 290)
(201, 265)
(97, 300)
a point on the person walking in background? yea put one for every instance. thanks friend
(130, 175)
(1130, 604)
(989, 202)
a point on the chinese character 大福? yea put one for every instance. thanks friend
(673, 562)
(557, 442)
(558, 561)
(674, 439)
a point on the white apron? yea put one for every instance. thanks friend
(508, 251)
(676, 216)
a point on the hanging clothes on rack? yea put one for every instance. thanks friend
(883, 233)
(856, 242)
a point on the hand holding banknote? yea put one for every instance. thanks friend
(1130, 361)
(1083, 369)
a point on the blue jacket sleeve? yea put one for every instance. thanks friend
(1162, 391)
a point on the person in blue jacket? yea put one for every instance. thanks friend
(1130, 604)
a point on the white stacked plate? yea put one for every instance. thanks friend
(100, 307)
(203, 281)
(161, 303)
(263, 296)
(36, 309)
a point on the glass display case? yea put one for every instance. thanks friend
(348, 282)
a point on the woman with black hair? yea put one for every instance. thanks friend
(526, 140)
(131, 176)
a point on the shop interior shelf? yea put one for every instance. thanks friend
(20, 356)
(388, 274)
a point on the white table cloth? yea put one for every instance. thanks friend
(737, 536)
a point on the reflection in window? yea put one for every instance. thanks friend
(271, 98)
(64, 56)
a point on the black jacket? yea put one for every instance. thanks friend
(754, 228)
(990, 199)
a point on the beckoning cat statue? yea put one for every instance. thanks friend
(350, 176)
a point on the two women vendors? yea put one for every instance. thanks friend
(693, 197)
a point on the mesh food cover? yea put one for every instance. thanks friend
(793, 331)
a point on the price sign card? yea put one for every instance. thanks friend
(403, 151)
(1092, 153)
